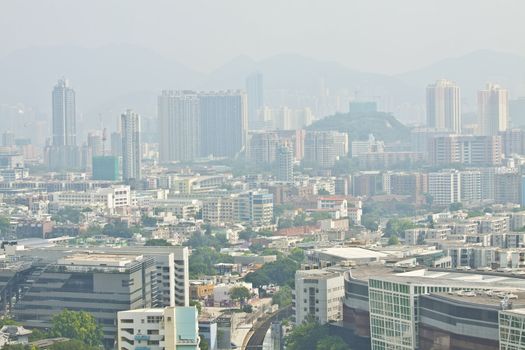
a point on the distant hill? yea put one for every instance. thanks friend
(112, 78)
(107, 80)
(384, 126)
(472, 71)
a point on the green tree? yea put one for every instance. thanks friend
(393, 240)
(455, 206)
(331, 343)
(203, 259)
(240, 294)
(280, 272)
(397, 227)
(77, 325)
(197, 304)
(297, 254)
(370, 221)
(247, 234)
(68, 214)
(117, 229)
(18, 347)
(158, 242)
(148, 221)
(283, 297)
(73, 345)
(4, 225)
(312, 336)
(203, 345)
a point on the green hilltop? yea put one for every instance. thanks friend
(384, 126)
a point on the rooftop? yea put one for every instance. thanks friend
(109, 260)
(349, 253)
(490, 298)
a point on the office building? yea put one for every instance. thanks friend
(255, 93)
(179, 123)
(131, 152)
(174, 328)
(318, 295)
(284, 166)
(324, 148)
(105, 168)
(444, 106)
(223, 123)
(493, 109)
(398, 316)
(101, 284)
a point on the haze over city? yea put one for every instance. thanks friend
(272, 175)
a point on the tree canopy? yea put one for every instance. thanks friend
(157, 242)
(203, 259)
(280, 272)
(240, 293)
(313, 336)
(283, 297)
(77, 325)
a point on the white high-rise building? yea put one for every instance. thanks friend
(444, 106)
(179, 126)
(254, 90)
(445, 187)
(470, 186)
(131, 154)
(318, 294)
(493, 108)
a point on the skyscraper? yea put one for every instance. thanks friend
(223, 123)
(64, 115)
(444, 106)
(63, 153)
(131, 154)
(493, 109)
(254, 89)
(179, 123)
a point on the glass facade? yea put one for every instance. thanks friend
(512, 330)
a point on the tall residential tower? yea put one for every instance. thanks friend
(131, 153)
(63, 153)
(444, 106)
(493, 109)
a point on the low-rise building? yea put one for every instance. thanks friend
(158, 329)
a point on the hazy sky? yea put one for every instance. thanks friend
(384, 36)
